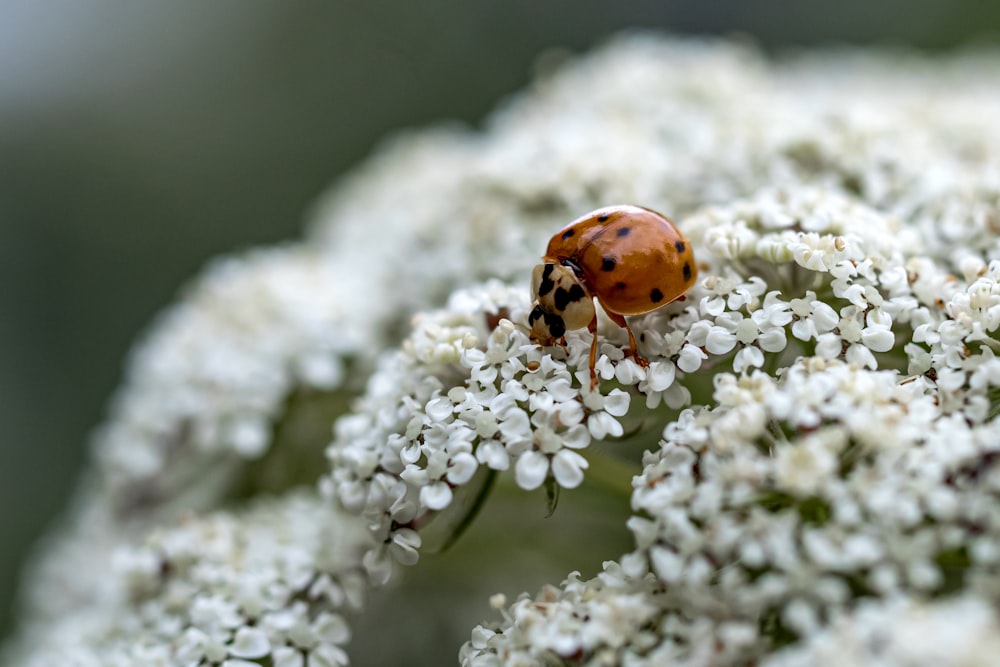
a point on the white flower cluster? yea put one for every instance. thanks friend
(769, 515)
(273, 585)
(205, 388)
(467, 391)
(608, 620)
(959, 348)
(902, 631)
(202, 397)
(826, 393)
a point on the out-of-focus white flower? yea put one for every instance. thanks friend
(275, 583)
(204, 390)
(601, 621)
(903, 631)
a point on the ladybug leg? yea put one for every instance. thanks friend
(633, 350)
(592, 327)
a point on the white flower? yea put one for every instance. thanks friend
(232, 589)
(903, 631)
(210, 380)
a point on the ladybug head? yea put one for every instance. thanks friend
(560, 303)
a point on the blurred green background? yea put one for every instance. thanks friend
(139, 139)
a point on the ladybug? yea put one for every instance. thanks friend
(632, 259)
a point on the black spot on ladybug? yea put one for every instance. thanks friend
(603, 217)
(564, 297)
(608, 264)
(547, 283)
(656, 295)
(555, 324)
(624, 231)
(687, 271)
(568, 234)
(679, 245)
(620, 285)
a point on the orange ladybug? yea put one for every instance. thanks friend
(632, 259)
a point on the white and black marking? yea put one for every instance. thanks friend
(547, 283)
(564, 297)
(553, 323)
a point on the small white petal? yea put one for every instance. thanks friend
(410, 453)
(561, 390)
(515, 424)
(749, 357)
(568, 467)
(492, 454)
(878, 339)
(828, 346)
(531, 470)
(861, 355)
(602, 425)
(250, 643)
(661, 375)
(571, 412)
(576, 437)
(804, 329)
(404, 546)
(824, 317)
(616, 403)
(436, 496)
(439, 409)
(286, 656)
(719, 340)
(326, 655)
(461, 468)
(629, 372)
(747, 331)
(331, 628)
(773, 340)
(667, 564)
(690, 358)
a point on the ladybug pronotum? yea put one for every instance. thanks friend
(632, 259)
